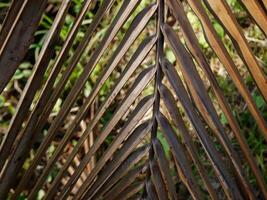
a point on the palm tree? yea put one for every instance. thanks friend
(156, 136)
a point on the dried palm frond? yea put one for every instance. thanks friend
(164, 115)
